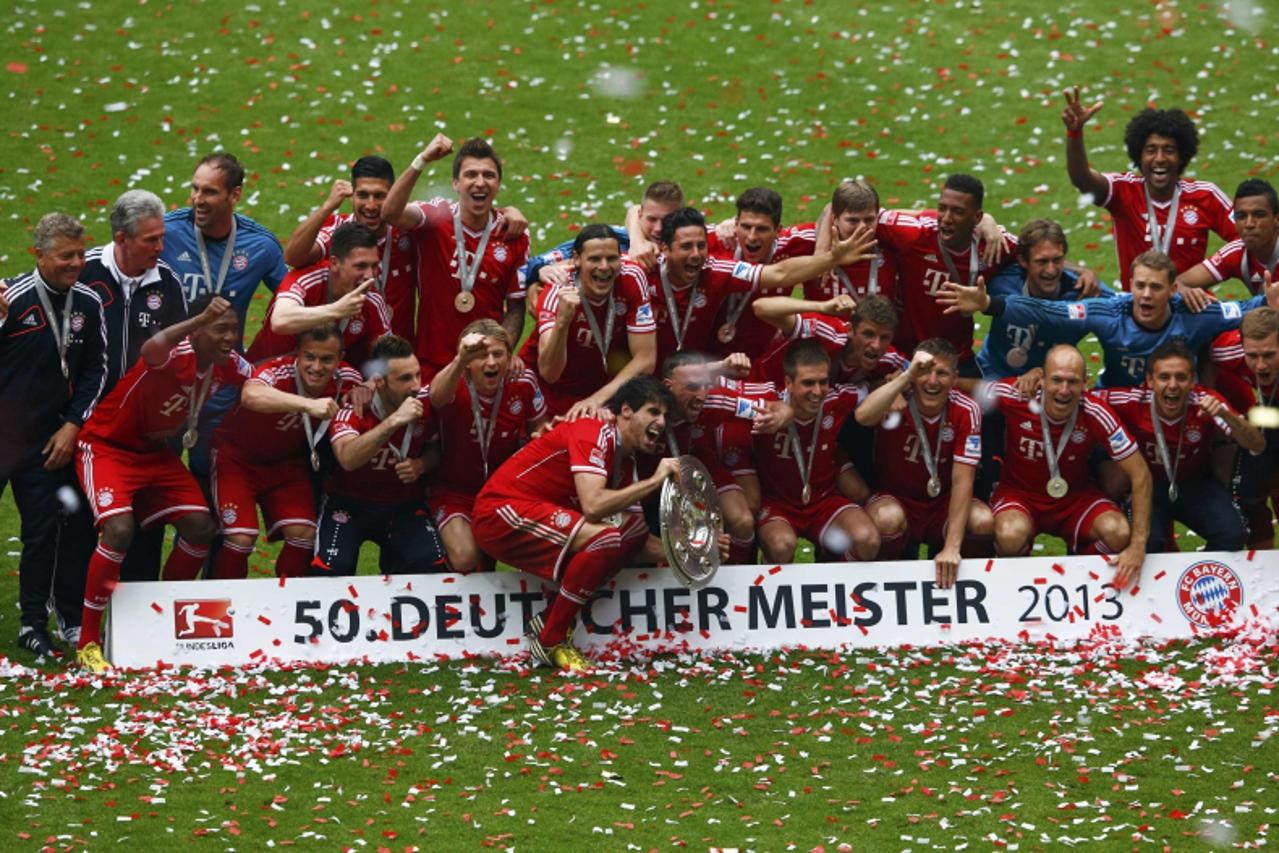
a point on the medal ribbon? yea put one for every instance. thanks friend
(215, 284)
(806, 467)
(483, 433)
(930, 455)
(313, 434)
(872, 277)
(973, 262)
(401, 452)
(61, 338)
(466, 275)
(195, 400)
(668, 291)
(1161, 238)
(1161, 444)
(1051, 453)
(606, 340)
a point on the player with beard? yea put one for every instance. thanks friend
(126, 467)
(926, 463)
(1154, 209)
(1129, 326)
(1247, 367)
(860, 347)
(565, 508)
(342, 291)
(265, 451)
(466, 268)
(1176, 422)
(934, 250)
(582, 353)
(377, 492)
(485, 412)
(798, 467)
(1046, 486)
(754, 235)
(688, 287)
(309, 244)
(1251, 258)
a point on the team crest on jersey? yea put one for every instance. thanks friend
(340, 516)
(154, 301)
(828, 422)
(418, 429)
(77, 321)
(1077, 311)
(731, 457)
(403, 243)
(1190, 216)
(240, 261)
(947, 434)
(561, 519)
(499, 253)
(356, 326)
(229, 514)
(1208, 593)
(699, 299)
(105, 498)
(1078, 437)
(619, 308)
(515, 407)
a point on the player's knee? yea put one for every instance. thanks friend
(1111, 529)
(888, 516)
(778, 542)
(463, 554)
(117, 533)
(981, 522)
(296, 533)
(740, 525)
(198, 528)
(243, 541)
(1012, 533)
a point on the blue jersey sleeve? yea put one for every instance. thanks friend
(563, 252)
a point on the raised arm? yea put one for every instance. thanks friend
(444, 384)
(290, 318)
(872, 410)
(258, 396)
(353, 452)
(780, 311)
(155, 351)
(1243, 431)
(598, 501)
(395, 209)
(302, 250)
(860, 246)
(1085, 178)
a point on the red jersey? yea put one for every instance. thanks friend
(1025, 465)
(856, 280)
(265, 439)
(585, 370)
(923, 271)
(544, 468)
(462, 468)
(832, 334)
(150, 404)
(1231, 260)
(775, 456)
(1234, 378)
(751, 333)
(309, 288)
(1192, 432)
(899, 461)
(1201, 208)
(719, 279)
(376, 481)
(399, 270)
(439, 323)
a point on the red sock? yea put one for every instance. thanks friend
(104, 574)
(741, 552)
(232, 561)
(185, 561)
(294, 559)
(586, 572)
(977, 546)
(891, 546)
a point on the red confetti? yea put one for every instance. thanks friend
(16, 67)
(157, 608)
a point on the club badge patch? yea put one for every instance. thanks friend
(1209, 593)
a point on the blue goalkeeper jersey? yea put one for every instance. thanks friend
(1125, 344)
(562, 252)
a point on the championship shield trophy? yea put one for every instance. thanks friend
(691, 523)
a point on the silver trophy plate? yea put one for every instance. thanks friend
(691, 523)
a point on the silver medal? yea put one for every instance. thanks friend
(1057, 487)
(934, 487)
(190, 437)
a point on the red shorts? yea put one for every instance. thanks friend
(447, 505)
(282, 489)
(1070, 518)
(736, 448)
(809, 521)
(537, 536)
(926, 521)
(154, 486)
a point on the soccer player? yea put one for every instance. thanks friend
(926, 463)
(266, 449)
(1175, 422)
(127, 469)
(1041, 272)
(1046, 486)
(577, 345)
(1247, 365)
(485, 413)
(687, 288)
(53, 363)
(932, 252)
(1129, 326)
(1254, 255)
(564, 508)
(853, 205)
(860, 347)
(1154, 209)
(140, 294)
(644, 221)
(342, 291)
(377, 493)
(371, 180)
(463, 273)
(757, 237)
(798, 468)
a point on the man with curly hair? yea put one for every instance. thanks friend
(1155, 208)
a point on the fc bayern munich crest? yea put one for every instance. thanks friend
(154, 301)
(515, 407)
(1209, 593)
(240, 262)
(499, 253)
(77, 322)
(1190, 216)
(228, 514)
(561, 519)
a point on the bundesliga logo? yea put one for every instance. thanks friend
(203, 619)
(1209, 593)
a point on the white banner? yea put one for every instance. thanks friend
(828, 605)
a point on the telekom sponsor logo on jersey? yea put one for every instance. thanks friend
(203, 619)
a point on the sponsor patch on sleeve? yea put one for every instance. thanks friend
(597, 458)
(1077, 310)
(743, 270)
(1231, 310)
(972, 445)
(644, 314)
(745, 408)
(1118, 440)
